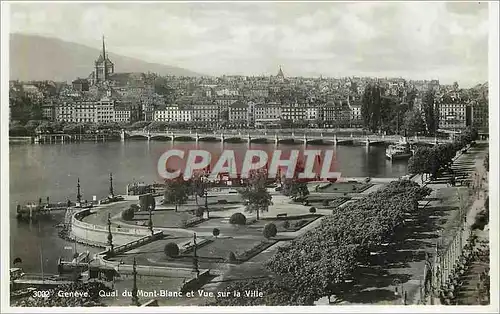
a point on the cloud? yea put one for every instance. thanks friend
(448, 41)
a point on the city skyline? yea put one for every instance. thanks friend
(445, 41)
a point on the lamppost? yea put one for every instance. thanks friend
(195, 257)
(205, 193)
(111, 192)
(150, 222)
(78, 195)
(135, 298)
(110, 236)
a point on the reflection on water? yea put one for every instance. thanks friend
(52, 170)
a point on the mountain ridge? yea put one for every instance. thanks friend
(37, 57)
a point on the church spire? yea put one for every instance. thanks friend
(103, 48)
(280, 73)
(105, 59)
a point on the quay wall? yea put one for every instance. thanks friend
(92, 233)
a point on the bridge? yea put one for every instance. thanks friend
(256, 136)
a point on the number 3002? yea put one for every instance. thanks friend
(41, 294)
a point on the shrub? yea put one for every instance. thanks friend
(286, 224)
(128, 214)
(312, 210)
(199, 212)
(135, 207)
(300, 223)
(222, 202)
(326, 203)
(238, 219)
(231, 257)
(270, 230)
(216, 232)
(171, 249)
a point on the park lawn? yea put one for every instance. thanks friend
(221, 247)
(163, 218)
(295, 224)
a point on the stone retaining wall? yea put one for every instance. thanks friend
(91, 233)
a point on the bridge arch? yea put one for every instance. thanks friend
(236, 139)
(260, 140)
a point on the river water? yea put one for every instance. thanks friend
(52, 170)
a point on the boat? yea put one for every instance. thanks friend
(401, 150)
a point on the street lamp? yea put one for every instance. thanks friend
(195, 257)
(135, 298)
(78, 195)
(110, 236)
(205, 194)
(111, 192)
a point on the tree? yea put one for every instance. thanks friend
(486, 162)
(216, 232)
(176, 192)
(200, 211)
(318, 263)
(255, 193)
(370, 107)
(18, 130)
(417, 164)
(413, 122)
(295, 188)
(431, 114)
(231, 257)
(171, 249)
(270, 231)
(238, 219)
(128, 214)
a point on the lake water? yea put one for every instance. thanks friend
(52, 170)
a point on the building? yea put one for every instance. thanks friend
(239, 114)
(123, 113)
(172, 113)
(280, 77)
(312, 113)
(267, 114)
(224, 102)
(81, 85)
(83, 111)
(205, 114)
(337, 114)
(356, 118)
(105, 110)
(293, 112)
(48, 110)
(103, 67)
(454, 115)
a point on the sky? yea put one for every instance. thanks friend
(414, 40)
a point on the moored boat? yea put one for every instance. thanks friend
(401, 150)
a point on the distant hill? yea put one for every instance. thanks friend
(35, 57)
